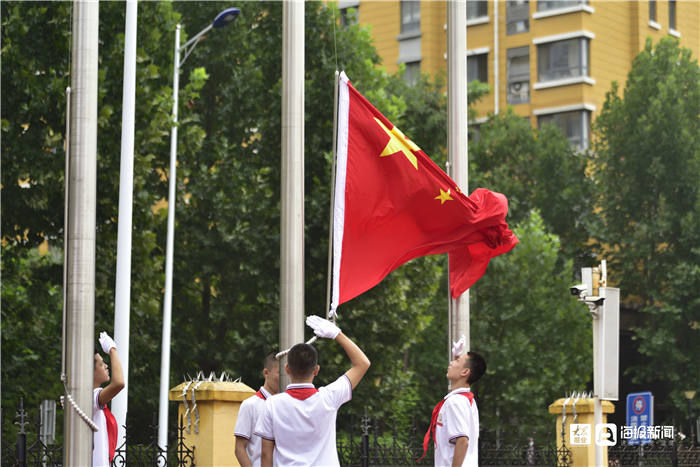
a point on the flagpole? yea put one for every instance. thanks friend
(292, 180)
(330, 221)
(122, 292)
(80, 267)
(457, 139)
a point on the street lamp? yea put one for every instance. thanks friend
(222, 19)
(689, 395)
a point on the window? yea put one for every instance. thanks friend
(517, 16)
(672, 14)
(518, 70)
(477, 9)
(410, 16)
(562, 59)
(575, 125)
(349, 16)
(477, 68)
(474, 132)
(546, 5)
(652, 10)
(412, 72)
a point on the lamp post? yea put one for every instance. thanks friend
(689, 395)
(222, 19)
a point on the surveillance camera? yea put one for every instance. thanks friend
(578, 290)
(595, 301)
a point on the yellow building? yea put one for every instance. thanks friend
(551, 60)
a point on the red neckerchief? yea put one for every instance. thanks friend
(433, 420)
(260, 395)
(111, 431)
(301, 393)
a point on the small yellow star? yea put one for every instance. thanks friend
(444, 196)
(399, 143)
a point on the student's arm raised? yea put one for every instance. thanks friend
(358, 359)
(116, 382)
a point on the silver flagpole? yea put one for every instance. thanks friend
(122, 292)
(80, 282)
(457, 137)
(292, 215)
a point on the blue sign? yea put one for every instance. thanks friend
(640, 415)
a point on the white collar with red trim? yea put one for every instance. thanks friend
(457, 391)
(300, 385)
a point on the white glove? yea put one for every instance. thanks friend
(107, 342)
(322, 327)
(458, 347)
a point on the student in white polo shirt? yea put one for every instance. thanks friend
(455, 419)
(298, 426)
(248, 445)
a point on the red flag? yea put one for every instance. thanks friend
(393, 204)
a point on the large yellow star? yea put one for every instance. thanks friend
(444, 196)
(399, 143)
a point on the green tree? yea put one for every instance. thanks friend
(536, 169)
(535, 336)
(647, 172)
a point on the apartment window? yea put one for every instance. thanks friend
(672, 14)
(652, 10)
(517, 16)
(477, 68)
(477, 9)
(412, 72)
(518, 69)
(349, 16)
(562, 59)
(546, 5)
(575, 125)
(474, 132)
(410, 16)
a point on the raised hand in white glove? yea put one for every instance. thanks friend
(458, 347)
(322, 327)
(107, 342)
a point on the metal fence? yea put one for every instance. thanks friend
(30, 450)
(671, 453)
(379, 443)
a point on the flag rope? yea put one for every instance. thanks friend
(330, 226)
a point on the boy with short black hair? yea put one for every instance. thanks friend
(248, 445)
(455, 419)
(298, 426)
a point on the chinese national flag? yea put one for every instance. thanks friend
(392, 204)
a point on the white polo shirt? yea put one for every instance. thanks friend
(249, 413)
(304, 430)
(457, 417)
(100, 439)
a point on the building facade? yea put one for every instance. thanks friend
(551, 60)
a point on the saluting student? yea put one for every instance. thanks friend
(248, 445)
(298, 426)
(104, 441)
(455, 419)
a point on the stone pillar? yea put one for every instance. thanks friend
(581, 455)
(218, 404)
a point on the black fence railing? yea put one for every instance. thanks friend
(380, 444)
(665, 452)
(29, 450)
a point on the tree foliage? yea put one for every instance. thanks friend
(227, 241)
(647, 172)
